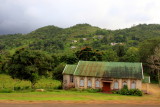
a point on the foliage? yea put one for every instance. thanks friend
(154, 62)
(4, 57)
(120, 50)
(110, 55)
(88, 54)
(57, 73)
(91, 90)
(6, 82)
(146, 51)
(52, 38)
(6, 91)
(146, 48)
(132, 55)
(69, 58)
(126, 91)
(30, 65)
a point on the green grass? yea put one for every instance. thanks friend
(6, 82)
(62, 95)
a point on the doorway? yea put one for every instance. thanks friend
(106, 87)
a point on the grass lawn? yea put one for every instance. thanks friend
(61, 95)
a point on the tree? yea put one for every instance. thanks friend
(57, 73)
(147, 47)
(88, 54)
(110, 55)
(154, 62)
(68, 58)
(4, 57)
(120, 49)
(30, 65)
(132, 55)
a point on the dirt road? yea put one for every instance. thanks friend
(74, 105)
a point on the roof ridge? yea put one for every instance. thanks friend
(109, 61)
(76, 68)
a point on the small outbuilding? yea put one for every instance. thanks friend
(103, 75)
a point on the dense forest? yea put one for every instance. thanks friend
(85, 42)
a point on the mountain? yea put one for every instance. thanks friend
(58, 40)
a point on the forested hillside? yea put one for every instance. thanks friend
(54, 40)
(68, 45)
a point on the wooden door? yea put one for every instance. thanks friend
(106, 87)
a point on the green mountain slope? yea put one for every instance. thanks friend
(57, 40)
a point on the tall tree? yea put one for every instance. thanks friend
(88, 54)
(146, 48)
(132, 55)
(57, 73)
(154, 62)
(120, 49)
(30, 65)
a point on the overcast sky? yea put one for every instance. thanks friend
(24, 16)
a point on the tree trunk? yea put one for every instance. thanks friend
(33, 85)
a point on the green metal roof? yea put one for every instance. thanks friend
(108, 69)
(69, 69)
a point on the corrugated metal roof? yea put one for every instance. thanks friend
(69, 69)
(106, 69)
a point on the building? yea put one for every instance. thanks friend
(103, 75)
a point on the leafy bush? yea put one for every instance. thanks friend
(5, 91)
(58, 87)
(26, 87)
(21, 88)
(126, 91)
(17, 88)
(91, 90)
(136, 92)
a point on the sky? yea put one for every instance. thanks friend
(24, 16)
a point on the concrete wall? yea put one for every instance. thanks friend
(76, 83)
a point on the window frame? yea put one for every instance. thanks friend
(97, 86)
(114, 86)
(88, 83)
(133, 82)
(124, 83)
(81, 84)
(71, 78)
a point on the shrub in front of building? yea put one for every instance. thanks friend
(126, 91)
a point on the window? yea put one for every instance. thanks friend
(71, 78)
(97, 83)
(89, 83)
(81, 82)
(133, 85)
(124, 83)
(116, 85)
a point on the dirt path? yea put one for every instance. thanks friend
(12, 103)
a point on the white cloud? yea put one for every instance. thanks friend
(110, 14)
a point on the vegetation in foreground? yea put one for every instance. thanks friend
(8, 85)
(126, 91)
